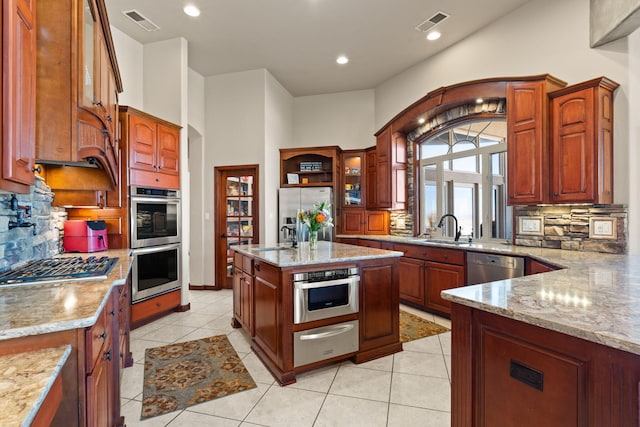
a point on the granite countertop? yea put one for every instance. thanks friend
(33, 309)
(594, 296)
(326, 253)
(25, 381)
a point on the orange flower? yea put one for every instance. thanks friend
(320, 217)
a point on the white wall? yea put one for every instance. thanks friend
(196, 101)
(345, 119)
(543, 36)
(279, 108)
(196, 173)
(634, 141)
(235, 130)
(130, 62)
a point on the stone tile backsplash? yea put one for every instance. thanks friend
(19, 245)
(567, 227)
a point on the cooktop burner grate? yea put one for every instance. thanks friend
(54, 269)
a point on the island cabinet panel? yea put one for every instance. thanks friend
(243, 293)
(267, 301)
(379, 300)
(539, 376)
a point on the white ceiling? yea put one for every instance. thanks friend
(299, 40)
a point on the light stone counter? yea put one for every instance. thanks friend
(33, 309)
(594, 296)
(25, 381)
(326, 253)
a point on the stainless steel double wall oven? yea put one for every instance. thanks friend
(155, 241)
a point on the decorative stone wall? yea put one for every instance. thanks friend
(19, 245)
(567, 227)
(398, 218)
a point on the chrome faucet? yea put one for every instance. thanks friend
(458, 230)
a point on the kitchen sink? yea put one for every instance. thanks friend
(440, 241)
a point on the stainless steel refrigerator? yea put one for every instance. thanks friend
(290, 201)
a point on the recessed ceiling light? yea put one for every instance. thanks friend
(191, 10)
(421, 120)
(479, 101)
(433, 35)
(342, 60)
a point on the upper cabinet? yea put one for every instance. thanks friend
(309, 167)
(77, 85)
(154, 149)
(582, 143)
(391, 171)
(18, 95)
(560, 141)
(527, 130)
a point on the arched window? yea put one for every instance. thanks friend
(463, 172)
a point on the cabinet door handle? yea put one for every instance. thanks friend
(109, 118)
(108, 355)
(112, 312)
(37, 169)
(98, 103)
(103, 335)
(257, 267)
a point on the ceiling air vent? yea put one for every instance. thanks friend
(140, 19)
(431, 22)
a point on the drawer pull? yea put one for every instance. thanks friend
(112, 312)
(103, 335)
(526, 375)
(107, 355)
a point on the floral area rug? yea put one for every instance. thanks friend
(413, 327)
(183, 374)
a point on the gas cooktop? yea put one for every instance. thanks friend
(58, 269)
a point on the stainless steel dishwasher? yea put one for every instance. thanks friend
(482, 268)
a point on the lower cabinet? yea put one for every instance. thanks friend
(153, 308)
(103, 366)
(509, 373)
(412, 287)
(439, 277)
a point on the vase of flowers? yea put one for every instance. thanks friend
(314, 219)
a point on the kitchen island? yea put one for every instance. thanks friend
(284, 321)
(559, 348)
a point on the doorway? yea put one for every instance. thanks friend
(236, 216)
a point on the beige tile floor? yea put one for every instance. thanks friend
(410, 388)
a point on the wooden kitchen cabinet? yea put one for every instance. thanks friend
(379, 301)
(371, 179)
(426, 271)
(267, 309)
(18, 95)
(355, 219)
(391, 171)
(154, 149)
(438, 277)
(582, 142)
(75, 120)
(310, 167)
(412, 287)
(243, 293)
(527, 139)
(543, 377)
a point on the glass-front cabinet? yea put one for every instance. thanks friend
(87, 73)
(240, 208)
(352, 163)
